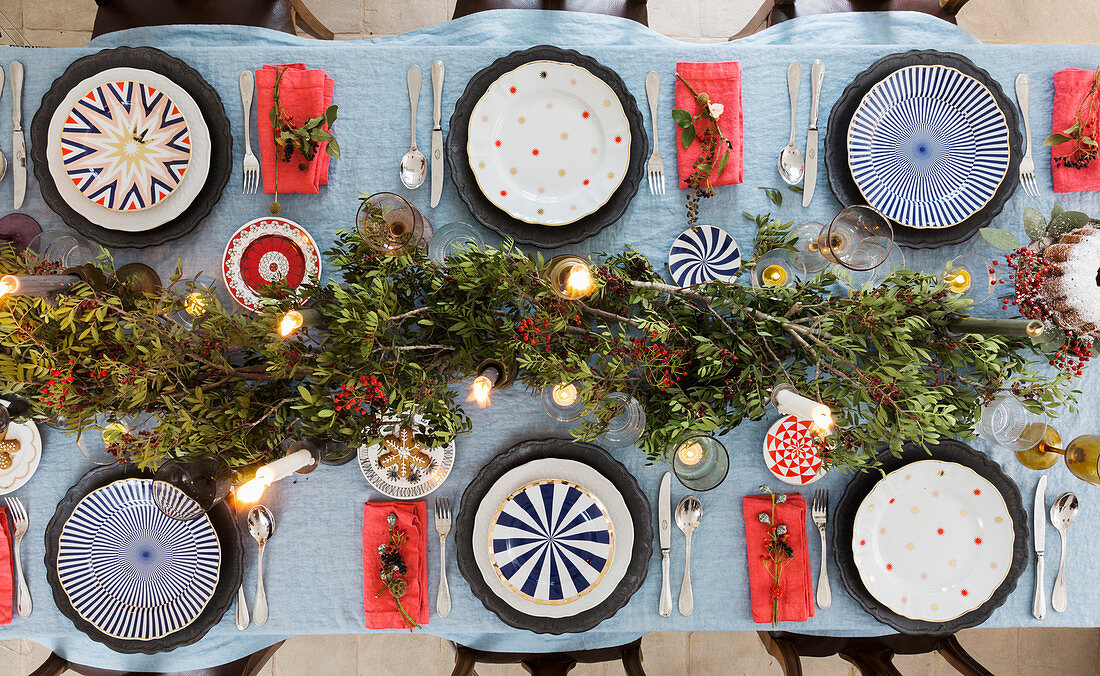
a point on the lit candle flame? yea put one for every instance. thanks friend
(579, 283)
(253, 490)
(691, 454)
(479, 391)
(774, 275)
(565, 395)
(291, 322)
(195, 304)
(958, 281)
(8, 285)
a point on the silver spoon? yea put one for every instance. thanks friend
(262, 525)
(242, 609)
(791, 164)
(689, 514)
(1062, 514)
(414, 166)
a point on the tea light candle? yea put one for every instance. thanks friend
(579, 282)
(565, 395)
(194, 304)
(690, 453)
(959, 280)
(789, 401)
(774, 275)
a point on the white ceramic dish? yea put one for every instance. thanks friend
(25, 460)
(418, 478)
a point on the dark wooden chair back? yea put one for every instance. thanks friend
(246, 666)
(280, 15)
(552, 664)
(778, 11)
(627, 9)
(871, 656)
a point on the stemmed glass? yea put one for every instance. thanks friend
(391, 225)
(1037, 444)
(201, 482)
(859, 238)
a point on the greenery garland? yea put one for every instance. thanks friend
(401, 331)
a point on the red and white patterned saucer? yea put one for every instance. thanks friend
(269, 251)
(789, 452)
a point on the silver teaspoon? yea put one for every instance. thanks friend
(689, 514)
(791, 164)
(261, 524)
(414, 166)
(1062, 513)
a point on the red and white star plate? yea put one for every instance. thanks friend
(549, 143)
(933, 540)
(789, 452)
(268, 251)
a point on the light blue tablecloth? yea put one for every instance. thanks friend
(314, 568)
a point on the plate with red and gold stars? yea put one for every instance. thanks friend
(933, 540)
(265, 252)
(549, 143)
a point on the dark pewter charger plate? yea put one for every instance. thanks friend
(836, 146)
(232, 566)
(858, 488)
(492, 217)
(610, 468)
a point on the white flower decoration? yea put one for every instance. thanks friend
(714, 110)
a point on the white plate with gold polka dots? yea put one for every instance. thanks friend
(401, 467)
(933, 540)
(549, 143)
(20, 453)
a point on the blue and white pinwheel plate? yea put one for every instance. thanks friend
(132, 571)
(704, 254)
(928, 146)
(551, 542)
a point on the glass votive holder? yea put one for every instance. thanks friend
(700, 462)
(778, 267)
(970, 275)
(454, 238)
(856, 279)
(805, 244)
(562, 402)
(104, 443)
(626, 427)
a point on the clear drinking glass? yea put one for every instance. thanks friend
(855, 279)
(699, 461)
(391, 225)
(66, 248)
(626, 428)
(203, 481)
(101, 443)
(452, 238)
(859, 238)
(805, 244)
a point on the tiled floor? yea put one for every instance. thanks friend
(1067, 652)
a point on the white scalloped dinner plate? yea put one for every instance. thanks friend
(593, 483)
(172, 205)
(933, 540)
(549, 143)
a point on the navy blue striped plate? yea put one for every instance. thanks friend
(928, 146)
(130, 570)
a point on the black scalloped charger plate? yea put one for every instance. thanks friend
(491, 216)
(836, 146)
(844, 519)
(221, 143)
(229, 579)
(609, 467)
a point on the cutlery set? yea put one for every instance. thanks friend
(689, 514)
(414, 166)
(19, 144)
(793, 168)
(1062, 513)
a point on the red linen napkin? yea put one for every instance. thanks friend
(7, 573)
(1070, 87)
(796, 603)
(722, 82)
(304, 93)
(381, 611)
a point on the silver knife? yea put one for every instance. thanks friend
(18, 144)
(664, 529)
(437, 132)
(817, 73)
(1039, 604)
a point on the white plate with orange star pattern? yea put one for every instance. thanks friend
(549, 143)
(402, 468)
(933, 540)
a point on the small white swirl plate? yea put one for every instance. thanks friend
(704, 254)
(132, 571)
(933, 540)
(549, 143)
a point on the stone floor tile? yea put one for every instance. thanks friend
(403, 655)
(48, 38)
(666, 653)
(995, 649)
(735, 653)
(1068, 652)
(830, 666)
(58, 15)
(11, 653)
(333, 655)
(33, 656)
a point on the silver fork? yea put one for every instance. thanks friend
(443, 526)
(1027, 165)
(656, 167)
(19, 518)
(251, 164)
(819, 510)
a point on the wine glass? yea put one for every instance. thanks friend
(856, 279)
(858, 238)
(391, 225)
(805, 244)
(186, 488)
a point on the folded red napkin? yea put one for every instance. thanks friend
(722, 82)
(381, 611)
(304, 93)
(7, 573)
(796, 603)
(1070, 87)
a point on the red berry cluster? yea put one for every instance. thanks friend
(361, 395)
(531, 332)
(881, 391)
(1072, 356)
(56, 389)
(1029, 269)
(660, 359)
